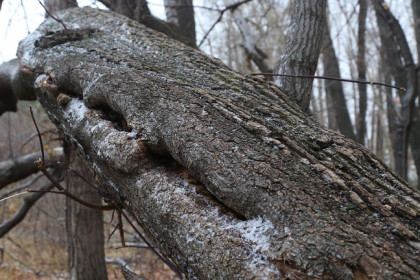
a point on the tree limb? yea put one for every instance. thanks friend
(27, 204)
(17, 169)
(219, 168)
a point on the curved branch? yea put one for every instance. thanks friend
(14, 170)
(27, 204)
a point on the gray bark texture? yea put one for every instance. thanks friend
(415, 133)
(181, 14)
(14, 85)
(224, 172)
(361, 72)
(84, 226)
(303, 43)
(140, 12)
(85, 229)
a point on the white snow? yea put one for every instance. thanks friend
(76, 109)
(97, 127)
(254, 231)
(133, 133)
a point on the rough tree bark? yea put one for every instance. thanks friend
(303, 43)
(13, 86)
(181, 14)
(85, 229)
(224, 172)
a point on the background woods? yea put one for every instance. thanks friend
(264, 141)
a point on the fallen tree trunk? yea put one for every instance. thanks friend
(227, 175)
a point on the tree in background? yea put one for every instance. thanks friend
(303, 43)
(400, 66)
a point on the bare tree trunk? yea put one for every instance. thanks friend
(300, 56)
(249, 44)
(140, 12)
(54, 6)
(134, 9)
(331, 114)
(85, 230)
(361, 69)
(334, 89)
(181, 14)
(401, 65)
(224, 172)
(415, 145)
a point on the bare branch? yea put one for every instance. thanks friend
(329, 78)
(227, 8)
(39, 136)
(20, 188)
(28, 202)
(129, 274)
(20, 168)
(52, 16)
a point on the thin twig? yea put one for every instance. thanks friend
(80, 201)
(329, 78)
(120, 228)
(51, 15)
(132, 245)
(42, 167)
(112, 233)
(35, 135)
(13, 195)
(227, 8)
(83, 178)
(20, 188)
(39, 136)
(165, 260)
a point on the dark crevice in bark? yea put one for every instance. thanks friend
(51, 39)
(117, 119)
(160, 157)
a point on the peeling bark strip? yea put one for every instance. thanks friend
(226, 174)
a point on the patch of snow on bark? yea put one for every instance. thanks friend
(133, 133)
(76, 109)
(96, 127)
(254, 231)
